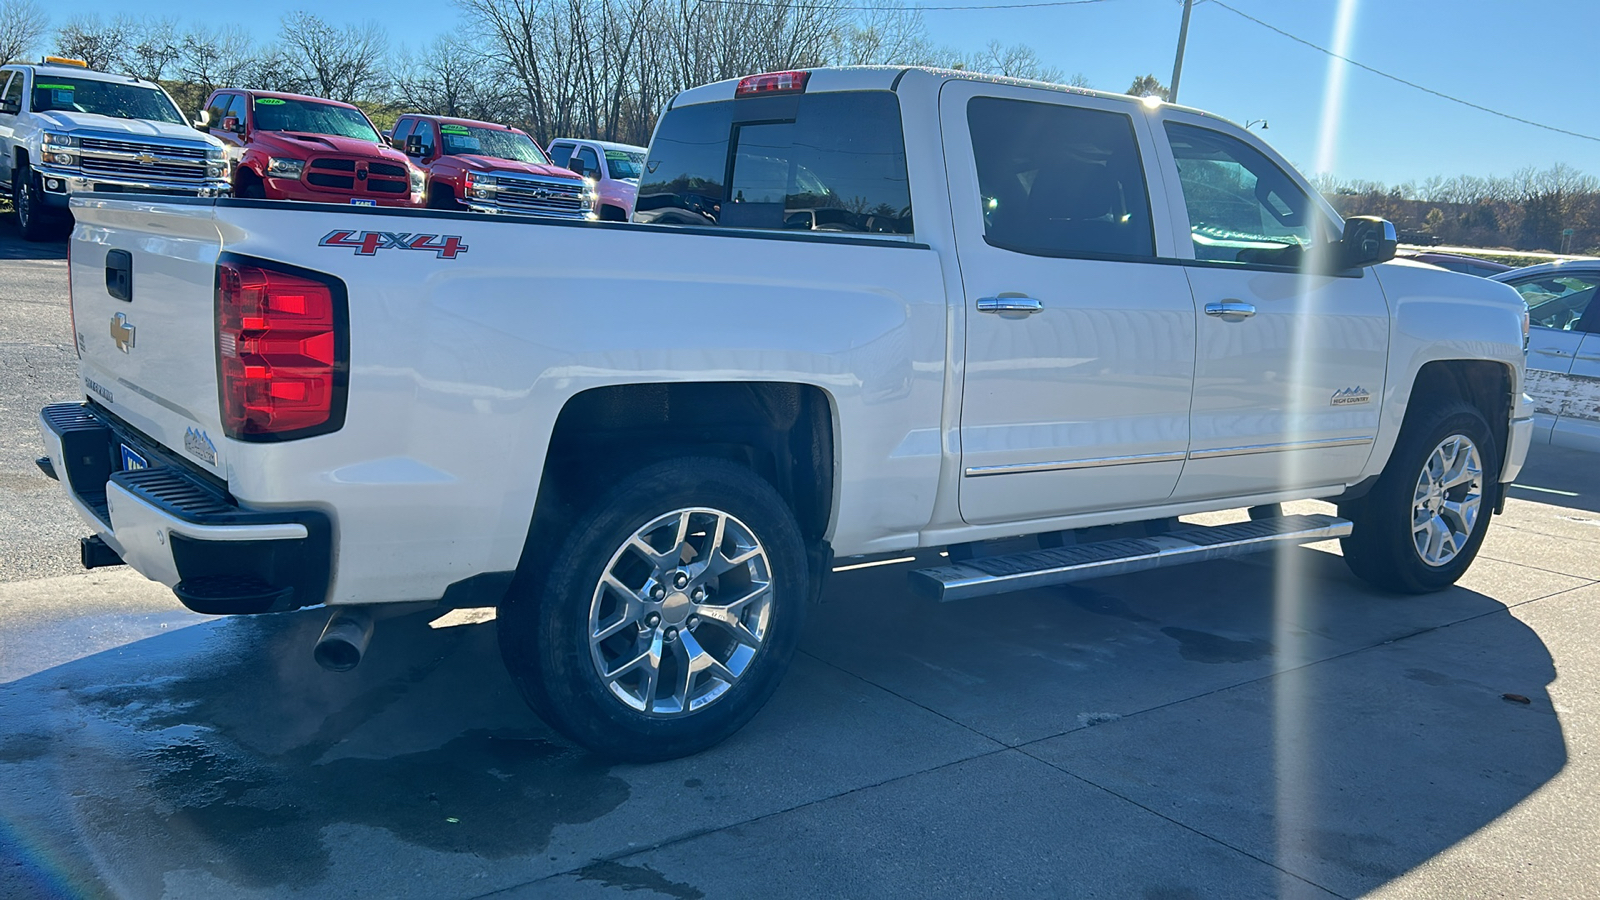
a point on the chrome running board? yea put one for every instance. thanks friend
(1061, 565)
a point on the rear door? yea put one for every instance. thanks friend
(1290, 367)
(1079, 338)
(1564, 353)
(10, 106)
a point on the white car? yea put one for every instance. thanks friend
(1035, 311)
(65, 130)
(1563, 350)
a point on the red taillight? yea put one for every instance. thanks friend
(280, 353)
(772, 83)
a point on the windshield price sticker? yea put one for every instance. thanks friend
(454, 129)
(56, 87)
(268, 101)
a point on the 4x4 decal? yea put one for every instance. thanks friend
(368, 243)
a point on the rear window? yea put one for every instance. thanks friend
(817, 162)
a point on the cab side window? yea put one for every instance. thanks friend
(217, 110)
(591, 163)
(1242, 207)
(402, 130)
(1059, 180)
(425, 133)
(560, 153)
(1559, 301)
(11, 99)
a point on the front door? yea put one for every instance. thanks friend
(1290, 371)
(1079, 343)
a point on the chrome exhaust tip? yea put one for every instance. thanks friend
(344, 640)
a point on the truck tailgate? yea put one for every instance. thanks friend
(143, 294)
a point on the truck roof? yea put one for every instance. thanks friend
(885, 78)
(454, 120)
(604, 145)
(282, 95)
(58, 70)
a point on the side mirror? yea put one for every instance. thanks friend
(575, 166)
(1368, 240)
(231, 124)
(414, 145)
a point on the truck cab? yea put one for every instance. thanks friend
(293, 147)
(491, 168)
(614, 169)
(66, 130)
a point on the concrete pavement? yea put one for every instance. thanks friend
(1266, 727)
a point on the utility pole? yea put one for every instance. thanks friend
(1177, 64)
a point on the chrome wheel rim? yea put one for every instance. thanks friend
(681, 612)
(1447, 500)
(24, 210)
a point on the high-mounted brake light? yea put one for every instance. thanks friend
(772, 83)
(282, 353)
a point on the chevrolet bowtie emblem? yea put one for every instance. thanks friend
(146, 159)
(122, 332)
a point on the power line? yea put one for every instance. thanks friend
(1395, 78)
(852, 6)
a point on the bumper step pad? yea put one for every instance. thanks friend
(1063, 565)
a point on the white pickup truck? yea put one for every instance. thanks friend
(65, 130)
(858, 311)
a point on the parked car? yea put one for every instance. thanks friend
(614, 168)
(491, 168)
(645, 444)
(294, 147)
(66, 130)
(1563, 350)
(1455, 262)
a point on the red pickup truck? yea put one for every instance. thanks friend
(293, 147)
(490, 168)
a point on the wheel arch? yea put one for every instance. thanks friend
(1486, 384)
(785, 431)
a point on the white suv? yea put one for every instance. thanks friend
(66, 130)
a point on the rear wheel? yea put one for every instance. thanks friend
(669, 616)
(1421, 525)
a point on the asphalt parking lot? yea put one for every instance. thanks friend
(1266, 727)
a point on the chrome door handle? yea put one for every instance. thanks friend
(1232, 310)
(1009, 305)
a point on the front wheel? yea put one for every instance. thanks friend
(669, 615)
(32, 219)
(1422, 524)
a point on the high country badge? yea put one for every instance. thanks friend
(1351, 396)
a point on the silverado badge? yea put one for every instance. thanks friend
(1351, 396)
(122, 332)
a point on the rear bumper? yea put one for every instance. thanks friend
(177, 527)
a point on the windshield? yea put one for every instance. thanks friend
(277, 114)
(118, 100)
(460, 140)
(624, 163)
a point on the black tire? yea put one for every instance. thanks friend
(33, 220)
(543, 624)
(443, 196)
(1381, 549)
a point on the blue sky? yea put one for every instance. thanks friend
(1530, 58)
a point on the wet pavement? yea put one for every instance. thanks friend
(1266, 727)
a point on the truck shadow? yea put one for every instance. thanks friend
(220, 756)
(12, 246)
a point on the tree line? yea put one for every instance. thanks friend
(1555, 209)
(593, 68)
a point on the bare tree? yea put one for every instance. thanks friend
(1015, 61)
(449, 78)
(345, 64)
(153, 49)
(97, 42)
(23, 24)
